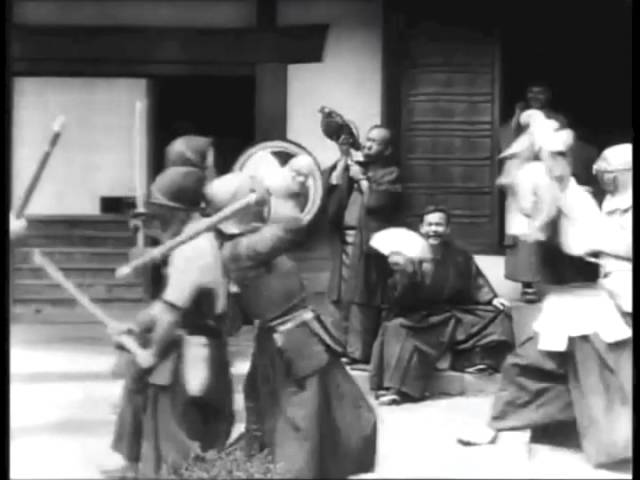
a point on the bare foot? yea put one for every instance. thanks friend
(477, 437)
(389, 399)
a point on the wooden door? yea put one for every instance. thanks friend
(448, 130)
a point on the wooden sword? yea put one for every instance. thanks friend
(126, 340)
(42, 163)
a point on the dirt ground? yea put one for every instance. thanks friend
(62, 402)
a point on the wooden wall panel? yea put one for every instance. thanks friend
(448, 141)
(425, 81)
(445, 109)
(448, 146)
(450, 173)
(461, 202)
(425, 52)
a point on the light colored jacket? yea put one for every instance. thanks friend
(617, 274)
(592, 308)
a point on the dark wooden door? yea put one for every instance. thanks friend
(448, 130)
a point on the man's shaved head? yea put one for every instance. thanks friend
(386, 131)
(377, 145)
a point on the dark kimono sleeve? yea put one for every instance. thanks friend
(336, 196)
(481, 290)
(385, 192)
(404, 291)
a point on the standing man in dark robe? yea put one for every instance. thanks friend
(521, 256)
(437, 307)
(362, 198)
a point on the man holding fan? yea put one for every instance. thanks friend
(441, 308)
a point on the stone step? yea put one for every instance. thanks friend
(44, 293)
(75, 273)
(75, 255)
(73, 223)
(65, 310)
(94, 289)
(79, 238)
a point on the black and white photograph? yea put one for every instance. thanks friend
(319, 239)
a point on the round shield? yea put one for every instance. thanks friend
(268, 160)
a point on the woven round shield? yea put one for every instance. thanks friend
(271, 159)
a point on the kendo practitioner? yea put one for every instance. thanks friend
(575, 365)
(301, 403)
(177, 398)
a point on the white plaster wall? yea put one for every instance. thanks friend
(349, 79)
(94, 156)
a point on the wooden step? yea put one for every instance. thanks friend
(79, 238)
(73, 223)
(28, 290)
(75, 255)
(68, 311)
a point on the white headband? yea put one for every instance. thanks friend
(618, 157)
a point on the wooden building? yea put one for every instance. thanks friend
(245, 71)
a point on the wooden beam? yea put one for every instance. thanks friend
(271, 101)
(266, 13)
(118, 69)
(296, 44)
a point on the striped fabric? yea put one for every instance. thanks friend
(348, 240)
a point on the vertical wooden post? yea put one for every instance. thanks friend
(391, 68)
(266, 13)
(271, 101)
(271, 83)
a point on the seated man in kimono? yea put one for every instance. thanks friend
(439, 309)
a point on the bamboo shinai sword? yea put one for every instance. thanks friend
(35, 178)
(127, 341)
(204, 225)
